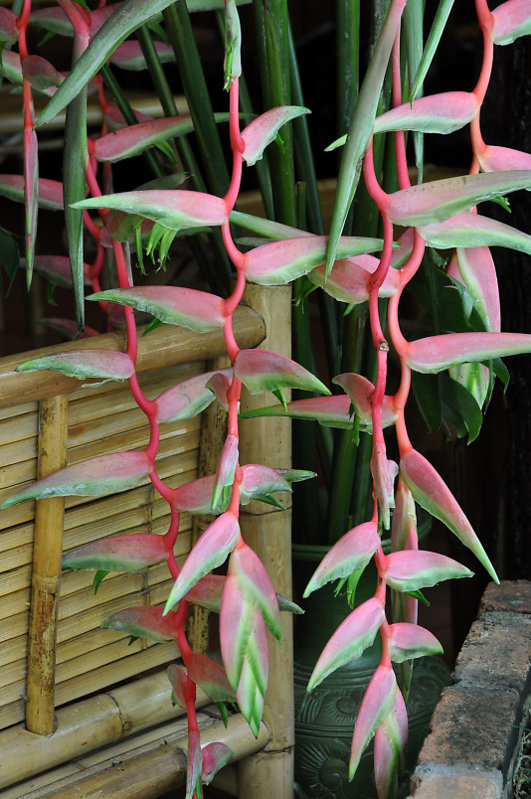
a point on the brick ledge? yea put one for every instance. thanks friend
(475, 726)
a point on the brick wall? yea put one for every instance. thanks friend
(476, 725)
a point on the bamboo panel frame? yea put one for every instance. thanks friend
(270, 773)
(46, 572)
(162, 347)
(155, 766)
(72, 673)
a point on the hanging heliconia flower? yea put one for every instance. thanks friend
(350, 269)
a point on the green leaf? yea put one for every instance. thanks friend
(98, 577)
(438, 200)
(461, 401)
(9, 258)
(75, 186)
(361, 125)
(434, 37)
(501, 371)
(194, 309)
(106, 474)
(107, 364)
(426, 391)
(266, 227)
(128, 16)
(418, 595)
(262, 370)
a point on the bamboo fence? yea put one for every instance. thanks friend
(54, 654)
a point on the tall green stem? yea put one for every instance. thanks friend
(272, 26)
(218, 279)
(348, 56)
(181, 37)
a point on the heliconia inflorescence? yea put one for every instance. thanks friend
(439, 214)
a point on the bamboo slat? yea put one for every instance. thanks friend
(98, 646)
(13, 411)
(136, 438)
(20, 514)
(87, 401)
(67, 652)
(142, 518)
(46, 572)
(19, 450)
(89, 519)
(95, 658)
(85, 684)
(16, 579)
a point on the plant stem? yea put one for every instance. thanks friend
(273, 51)
(348, 56)
(181, 37)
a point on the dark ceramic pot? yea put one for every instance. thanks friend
(324, 719)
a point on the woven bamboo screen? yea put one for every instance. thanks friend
(98, 420)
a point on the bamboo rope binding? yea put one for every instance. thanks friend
(46, 576)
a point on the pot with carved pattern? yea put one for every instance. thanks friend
(324, 719)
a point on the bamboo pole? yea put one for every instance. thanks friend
(104, 720)
(151, 767)
(88, 725)
(268, 531)
(46, 574)
(167, 346)
(213, 432)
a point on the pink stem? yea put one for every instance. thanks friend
(401, 344)
(232, 302)
(478, 144)
(78, 16)
(400, 141)
(170, 538)
(92, 228)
